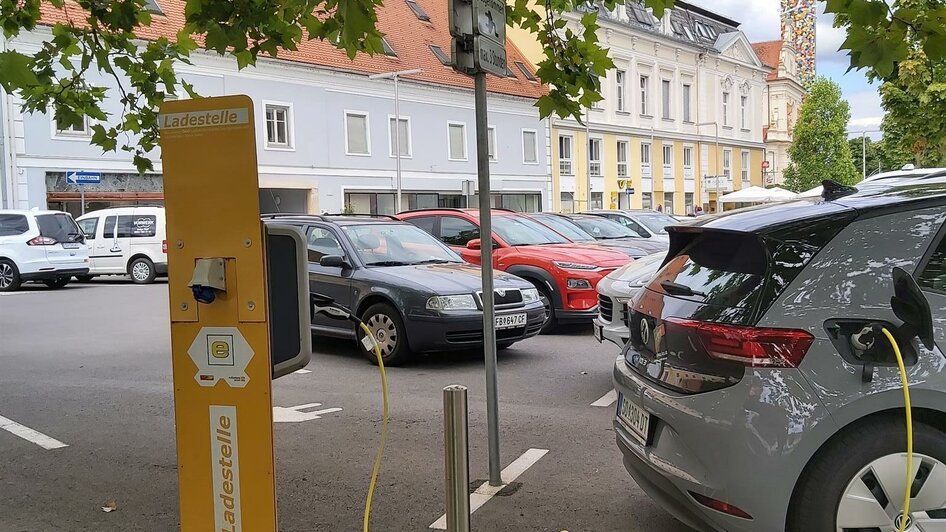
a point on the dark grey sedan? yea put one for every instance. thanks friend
(414, 293)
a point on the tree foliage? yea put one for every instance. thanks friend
(915, 105)
(114, 38)
(820, 148)
(882, 155)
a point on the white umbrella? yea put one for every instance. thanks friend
(813, 193)
(758, 195)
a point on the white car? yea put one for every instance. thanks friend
(126, 241)
(41, 246)
(646, 223)
(614, 292)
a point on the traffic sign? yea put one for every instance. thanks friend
(489, 56)
(82, 177)
(490, 17)
(629, 190)
(765, 165)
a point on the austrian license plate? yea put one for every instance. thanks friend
(599, 333)
(70, 245)
(635, 418)
(511, 321)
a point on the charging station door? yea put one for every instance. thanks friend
(289, 313)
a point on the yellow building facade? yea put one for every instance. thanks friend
(682, 116)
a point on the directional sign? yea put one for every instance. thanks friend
(490, 17)
(81, 177)
(489, 56)
(629, 190)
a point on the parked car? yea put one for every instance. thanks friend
(614, 293)
(42, 246)
(126, 241)
(745, 402)
(565, 273)
(590, 229)
(645, 223)
(412, 291)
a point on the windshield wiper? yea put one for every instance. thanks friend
(436, 261)
(677, 289)
(388, 263)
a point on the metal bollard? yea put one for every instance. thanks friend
(456, 448)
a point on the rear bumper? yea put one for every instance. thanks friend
(53, 274)
(465, 331)
(161, 268)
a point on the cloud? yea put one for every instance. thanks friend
(866, 112)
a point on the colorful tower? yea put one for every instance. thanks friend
(798, 30)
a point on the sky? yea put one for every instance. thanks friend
(760, 22)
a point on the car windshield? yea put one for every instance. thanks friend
(565, 227)
(522, 231)
(656, 222)
(397, 245)
(603, 229)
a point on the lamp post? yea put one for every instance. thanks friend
(864, 149)
(716, 125)
(397, 127)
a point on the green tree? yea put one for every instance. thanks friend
(915, 105)
(882, 155)
(820, 149)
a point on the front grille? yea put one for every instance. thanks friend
(625, 315)
(605, 308)
(503, 298)
(462, 337)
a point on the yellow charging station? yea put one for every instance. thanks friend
(220, 337)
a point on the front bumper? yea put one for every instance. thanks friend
(464, 330)
(613, 331)
(568, 316)
(48, 275)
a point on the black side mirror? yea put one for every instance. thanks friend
(334, 261)
(911, 307)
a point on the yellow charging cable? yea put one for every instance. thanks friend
(906, 402)
(384, 426)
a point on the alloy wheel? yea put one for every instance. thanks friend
(384, 331)
(6, 275)
(873, 500)
(140, 271)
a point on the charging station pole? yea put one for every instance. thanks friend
(220, 348)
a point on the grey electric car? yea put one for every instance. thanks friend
(745, 402)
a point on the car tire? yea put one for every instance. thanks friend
(83, 278)
(388, 329)
(9, 276)
(57, 283)
(545, 295)
(857, 464)
(141, 271)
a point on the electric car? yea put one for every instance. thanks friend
(745, 402)
(413, 292)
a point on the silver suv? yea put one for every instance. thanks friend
(742, 403)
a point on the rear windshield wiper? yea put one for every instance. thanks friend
(388, 263)
(677, 289)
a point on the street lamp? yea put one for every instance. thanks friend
(397, 126)
(864, 148)
(716, 125)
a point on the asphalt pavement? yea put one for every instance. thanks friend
(89, 367)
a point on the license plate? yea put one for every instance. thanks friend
(599, 333)
(634, 418)
(511, 321)
(70, 245)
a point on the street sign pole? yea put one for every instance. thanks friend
(82, 200)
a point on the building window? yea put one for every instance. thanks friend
(644, 84)
(278, 126)
(773, 166)
(688, 162)
(403, 137)
(668, 202)
(744, 112)
(356, 134)
(725, 109)
(440, 55)
(745, 166)
(594, 157)
(388, 49)
(565, 155)
(647, 201)
(491, 143)
(645, 159)
(530, 147)
(619, 82)
(456, 137)
(686, 103)
(418, 11)
(65, 129)
(622, 158)
(665, 94)
(688, 202)
(525, 71)
(597, 200)
(727, 163)
(668, 160)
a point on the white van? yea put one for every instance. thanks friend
(126, 241)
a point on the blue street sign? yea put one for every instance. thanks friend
(629, 191)
(81, 177)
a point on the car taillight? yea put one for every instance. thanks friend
(750, 346)
(719, 506)
(164, 246)
(41, 241)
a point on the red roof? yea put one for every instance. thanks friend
(769, 53)
(408, 36)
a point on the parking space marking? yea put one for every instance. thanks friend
(302, 371)
(485, 492)
(30, 435)
(607, 399)
(298, 414)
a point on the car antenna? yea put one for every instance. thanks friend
(832, 190)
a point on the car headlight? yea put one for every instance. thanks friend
(575, 266)
(461, 302)
(579, 284)
(530, 295)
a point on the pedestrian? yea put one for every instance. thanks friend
(660, 208)
(698, 211)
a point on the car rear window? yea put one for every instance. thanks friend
(13, 224)
(656, 222)
(60, 227)
(564, 227)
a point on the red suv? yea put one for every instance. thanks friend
(564, 272)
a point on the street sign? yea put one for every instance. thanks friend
(629, 190)
(82, 177)
(489, 56)
(490, 17)
(765, 165)
(478, 28)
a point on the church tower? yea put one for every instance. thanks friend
(798, 31)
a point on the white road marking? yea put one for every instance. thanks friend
(295, 414)
(302, 371)
(30, 435)
(485, 492)
(607, 399)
